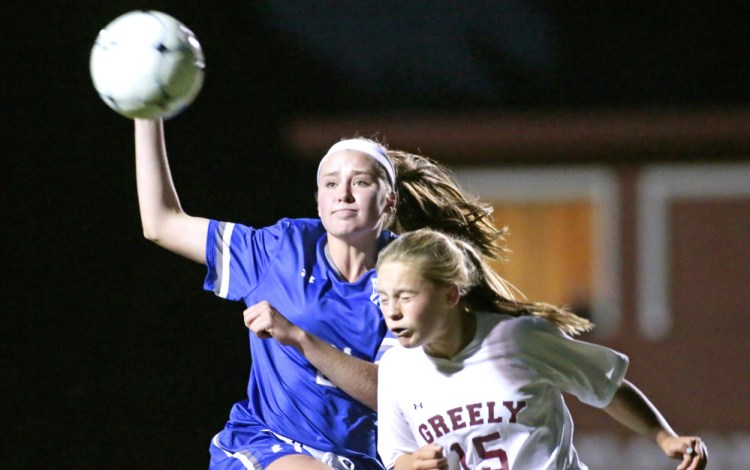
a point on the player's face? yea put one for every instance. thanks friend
(418, 311)
(352, 199)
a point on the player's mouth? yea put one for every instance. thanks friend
(400, 332)
(344, 213)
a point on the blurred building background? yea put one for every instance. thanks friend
(612, 139)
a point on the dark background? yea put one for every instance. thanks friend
(112, 354)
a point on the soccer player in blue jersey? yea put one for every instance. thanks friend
(311, 292)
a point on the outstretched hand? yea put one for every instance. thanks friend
(690, 449)
(429, 457)
(267, 322)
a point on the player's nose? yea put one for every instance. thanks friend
(344, 193)
(391, 311)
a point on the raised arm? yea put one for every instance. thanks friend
(631, 408)
(164, 222)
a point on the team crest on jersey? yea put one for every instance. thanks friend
(375, 296)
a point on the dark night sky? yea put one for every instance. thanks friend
(112, 355)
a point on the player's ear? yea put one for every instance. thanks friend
(453, 296)
(390, 203)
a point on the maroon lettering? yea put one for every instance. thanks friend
(514, 409)
(499, 454)
(456, 418)
(491, 417)
(425, 433)
(456, 447)
(469, 415)
(474, 416)
(438, 425)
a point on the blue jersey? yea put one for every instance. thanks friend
(285, 264)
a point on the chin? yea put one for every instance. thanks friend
(341, 226)
(408, 343)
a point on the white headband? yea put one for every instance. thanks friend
(369, 148)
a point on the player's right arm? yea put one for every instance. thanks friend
(164, 222)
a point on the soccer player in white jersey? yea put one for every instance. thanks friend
(310, 288)
(479, 381)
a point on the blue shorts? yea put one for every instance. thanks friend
(255, 447)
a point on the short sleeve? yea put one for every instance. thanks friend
(588, 371)
(237, 256)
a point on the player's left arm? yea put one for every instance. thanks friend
(633, 409)
(356, 377)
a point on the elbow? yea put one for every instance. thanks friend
(150, 236)
(155, 227)
(151, 233)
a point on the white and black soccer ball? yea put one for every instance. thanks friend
(147, 64)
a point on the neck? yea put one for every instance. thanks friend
(458, 335)
(351, 261)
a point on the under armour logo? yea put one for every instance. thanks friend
(418, 405)
(303, 273)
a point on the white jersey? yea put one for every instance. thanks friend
(498, 403)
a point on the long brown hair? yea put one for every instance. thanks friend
(429, 197)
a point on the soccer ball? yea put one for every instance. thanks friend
(146, 64)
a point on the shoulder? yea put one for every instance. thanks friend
(281, 225)
(285, 232)
(530, 325)
(298, 228)
(302, 225)
(524, 334)
(508, 325)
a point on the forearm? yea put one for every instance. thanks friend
(157, 197)
(164, 222)
(357, 377)
(632, 409)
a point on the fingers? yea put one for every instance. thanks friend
(430, 457)
(694, 454)
(267, 322)
(257, 318)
